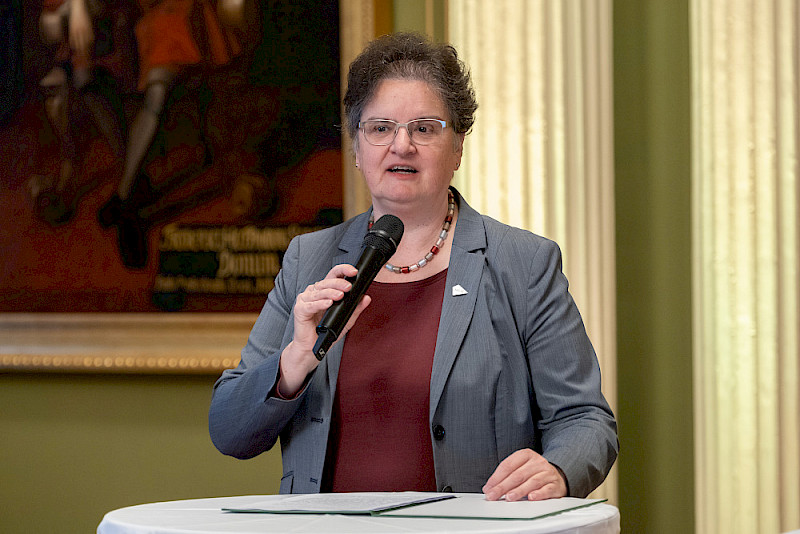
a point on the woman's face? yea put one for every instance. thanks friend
(404, 172)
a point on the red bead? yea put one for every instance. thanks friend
(405, 270)
(434, 249)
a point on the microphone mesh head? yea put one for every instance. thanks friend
(385, 234)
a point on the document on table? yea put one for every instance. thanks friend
(416, 504)
(371, 503)
(475, 506)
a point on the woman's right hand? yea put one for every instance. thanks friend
(297, 359)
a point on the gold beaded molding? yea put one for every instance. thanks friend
(122, 343)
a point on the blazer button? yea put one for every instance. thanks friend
(438, 432)
(447, 489)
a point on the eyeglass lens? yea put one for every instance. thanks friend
(383, 132)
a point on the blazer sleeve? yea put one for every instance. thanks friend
(578, 429)
(244, 420)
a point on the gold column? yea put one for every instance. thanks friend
(356, 29)
(541, 153)
(745, 265)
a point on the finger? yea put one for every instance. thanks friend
(327, 291)
(508, 466)
(515, 486)
(319, 296)
(553, 490)
(535, 480)
(528, 484)
(520, 468)
(340, 271)
(547, 484)
(335, 279)
(320, 300)
(510, 487)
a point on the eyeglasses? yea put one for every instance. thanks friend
(382, 132)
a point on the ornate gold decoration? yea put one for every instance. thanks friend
(186, 343)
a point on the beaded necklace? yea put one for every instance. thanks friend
(451, 207)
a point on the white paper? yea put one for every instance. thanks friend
(342, 503)
(477, 507)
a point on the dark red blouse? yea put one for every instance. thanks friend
(379, 438)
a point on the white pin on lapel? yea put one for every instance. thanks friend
(458, 290)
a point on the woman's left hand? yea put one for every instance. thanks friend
(525, 474)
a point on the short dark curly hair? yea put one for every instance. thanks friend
(410, 56)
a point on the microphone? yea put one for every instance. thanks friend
(379, 245)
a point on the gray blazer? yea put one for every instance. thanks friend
(513, 367)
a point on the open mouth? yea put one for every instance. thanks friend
(403, 170)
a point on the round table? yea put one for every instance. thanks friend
(206, 516)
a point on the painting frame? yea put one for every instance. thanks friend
(127, 343)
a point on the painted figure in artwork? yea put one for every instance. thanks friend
(251, 84)
(93, 50)
(178, 41)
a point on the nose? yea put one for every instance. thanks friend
(402, 141)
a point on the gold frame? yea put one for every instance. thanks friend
(139, 343)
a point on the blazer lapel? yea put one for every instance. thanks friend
(461, 293)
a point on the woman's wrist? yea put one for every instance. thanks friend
(279, 390)
(292, 375)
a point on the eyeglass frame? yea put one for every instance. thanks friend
(397, 126)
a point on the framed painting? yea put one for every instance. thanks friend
(151, 178)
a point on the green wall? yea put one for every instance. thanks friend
(652, 172)
(409, 15)
(74, 447)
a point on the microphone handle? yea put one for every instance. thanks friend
(336, 317)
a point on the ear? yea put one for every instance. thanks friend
(459, 150)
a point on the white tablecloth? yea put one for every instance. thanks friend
(206, 516)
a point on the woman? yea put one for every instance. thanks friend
(466, 366)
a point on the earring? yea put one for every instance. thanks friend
(356, 164)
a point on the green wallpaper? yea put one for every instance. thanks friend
(74, 447)
(409, 15)
(652, 172)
